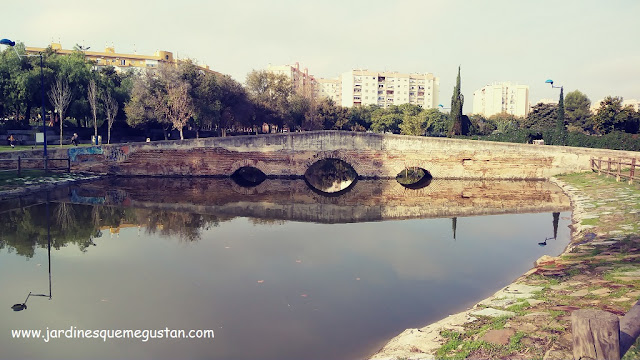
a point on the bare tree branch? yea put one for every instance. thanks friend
(111, 110)
(92, 95)
(60, 96)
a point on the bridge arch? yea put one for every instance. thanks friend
(335, 154)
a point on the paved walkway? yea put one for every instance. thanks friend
(530, 319)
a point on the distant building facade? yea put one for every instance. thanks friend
(502, 97)
(301, 81)
(120, 61)
(330, 89)
(364, 87)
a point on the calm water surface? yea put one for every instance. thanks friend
(270, 287)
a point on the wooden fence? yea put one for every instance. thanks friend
(20, 164)
(620, 168)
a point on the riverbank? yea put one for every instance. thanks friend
(530, 319)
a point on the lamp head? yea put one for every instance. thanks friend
(7, 42)
(19, 307)
(549, 81)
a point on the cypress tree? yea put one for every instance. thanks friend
(560, 129)
(457, 100)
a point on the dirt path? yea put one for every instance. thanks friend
(530, 319)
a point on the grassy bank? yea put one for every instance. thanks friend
(600, 270)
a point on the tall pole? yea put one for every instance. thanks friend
(44, 121)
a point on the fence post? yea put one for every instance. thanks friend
(19, 167)
(632, 172)
(596, 335)
(68, 165)
(609, 167)
(619, 170)
(599, 166)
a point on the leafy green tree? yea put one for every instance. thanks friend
(437, 122)
(607, 117)
(236, 108)
(360, 117)
(505, 122)
(578, 113)
(271, 92)
(413, 125)
(386, 120)
(481, 125)
(148, 104)
(541, 117)
(630, 118)
(205, 93)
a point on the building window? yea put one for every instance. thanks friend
(166, 57)
(123, 62)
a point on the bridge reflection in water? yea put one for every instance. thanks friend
(367, 200)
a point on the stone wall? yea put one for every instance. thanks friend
(371, 155)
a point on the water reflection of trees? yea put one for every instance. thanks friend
(23, 230)
(186, 226)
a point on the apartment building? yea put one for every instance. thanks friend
(363, 87)
(329, 88)
(501, 97)
(120, 61)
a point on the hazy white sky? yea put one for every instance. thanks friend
(587, 45)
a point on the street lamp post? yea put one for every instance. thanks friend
(560, 122)
(44, 123)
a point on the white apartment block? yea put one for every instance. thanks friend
(501, 97)
(329, 88)
(363, 87)
(301, 81)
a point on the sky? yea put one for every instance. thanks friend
(588, 45)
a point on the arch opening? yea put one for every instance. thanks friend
(414, 178)
(248, 176)
(331, 176)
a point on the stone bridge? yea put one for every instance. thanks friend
(371, 155)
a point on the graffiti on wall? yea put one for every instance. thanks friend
(75, 153)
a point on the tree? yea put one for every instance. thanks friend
(271, 92)
(60, 96)
(560, 125)
(578, 113)
(541, 117)
(386, 120)
(111, 110)
(179, 105)
(413, 125)
(437, 122)
(505, 122)
(92, 96)
(607, 117)
(458, 126)
(481, 125)
(629, 120)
